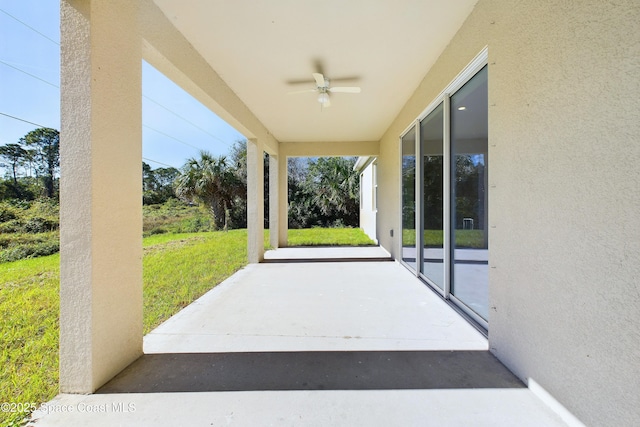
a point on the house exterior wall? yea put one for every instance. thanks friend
(564, 97)
(367, 202)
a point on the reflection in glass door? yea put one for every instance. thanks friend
(469, 202)
(431, 152)
(409, 199)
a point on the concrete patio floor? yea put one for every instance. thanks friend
(315, 344)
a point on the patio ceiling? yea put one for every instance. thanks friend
(265, 49)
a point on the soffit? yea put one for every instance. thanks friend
(260, 47)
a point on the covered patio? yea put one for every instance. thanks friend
(506, 129)
(322, 342)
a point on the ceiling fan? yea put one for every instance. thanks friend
(323, 89)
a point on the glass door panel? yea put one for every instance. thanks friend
(469, 146)
(409, 198)
(431, 135)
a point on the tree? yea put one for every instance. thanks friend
(157, 184)
(46, 144)
(14, 155)
(334, 187)
(302, 212)
(211, 181)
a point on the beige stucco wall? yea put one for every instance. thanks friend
(564, 133)
(100, 193)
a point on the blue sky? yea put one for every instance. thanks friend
(175, 125)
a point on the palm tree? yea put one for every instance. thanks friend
(336, 190)
(211, 181)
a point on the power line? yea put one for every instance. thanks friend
(186, 120)
(23, 120)
(58, 87)
(172, 137)
(29, 27)
(145, 96)
(29, 74)
(147, 159)
(149, 127)
(155, 102)
(155, 161)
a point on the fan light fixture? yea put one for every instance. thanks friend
(323, 98)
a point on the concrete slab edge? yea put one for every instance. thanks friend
(553, 404)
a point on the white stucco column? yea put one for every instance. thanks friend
(283, 201)
(255, 200)
(274, 202)
(100, 192)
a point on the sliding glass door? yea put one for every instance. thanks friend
(408, 230)
(445, 205)
(432, 154)
(470, 231)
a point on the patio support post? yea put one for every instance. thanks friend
(283, 201)
(255, 200)
(274, 203)
(100, 192)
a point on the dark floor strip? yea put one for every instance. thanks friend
(307, 260)
(331, 370)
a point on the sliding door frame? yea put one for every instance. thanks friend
(444, 98)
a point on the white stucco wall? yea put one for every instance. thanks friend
(367, 201)
(564, 127)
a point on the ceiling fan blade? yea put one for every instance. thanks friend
(302, 91)
(318, 66)
(345, 79)
(298, 82)
(319, 79)
(345, 89)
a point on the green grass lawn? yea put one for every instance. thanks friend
(29, 307)
(328, 237)
(177, 269)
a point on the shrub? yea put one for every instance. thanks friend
(38, 224)
(157, 230)
(18, 246)
(20, 216)
(12, 226)
(7, 212)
